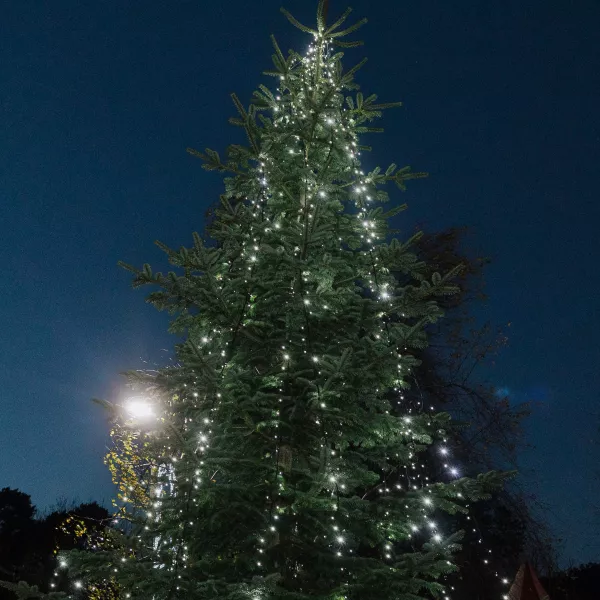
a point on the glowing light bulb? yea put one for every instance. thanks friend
(139, 408)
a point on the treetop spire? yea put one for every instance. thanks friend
(332, 32)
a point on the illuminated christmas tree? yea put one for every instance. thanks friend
(278, 459)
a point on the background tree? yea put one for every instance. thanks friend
(490, 433)
(29, 546)
(16, 531)
(576, 583)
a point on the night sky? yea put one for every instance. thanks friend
(98, 101)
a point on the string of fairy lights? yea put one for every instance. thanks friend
(317, 75)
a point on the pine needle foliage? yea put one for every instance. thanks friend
(274, 460)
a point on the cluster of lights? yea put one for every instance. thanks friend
(318, 77)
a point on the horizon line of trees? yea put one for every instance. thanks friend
(31, 540)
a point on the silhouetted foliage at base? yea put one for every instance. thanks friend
(29, 545)
(577, 583)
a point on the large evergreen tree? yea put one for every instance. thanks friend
(279, 458)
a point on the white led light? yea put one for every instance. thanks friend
(139, 408)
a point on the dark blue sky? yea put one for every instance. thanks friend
(98, 101)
